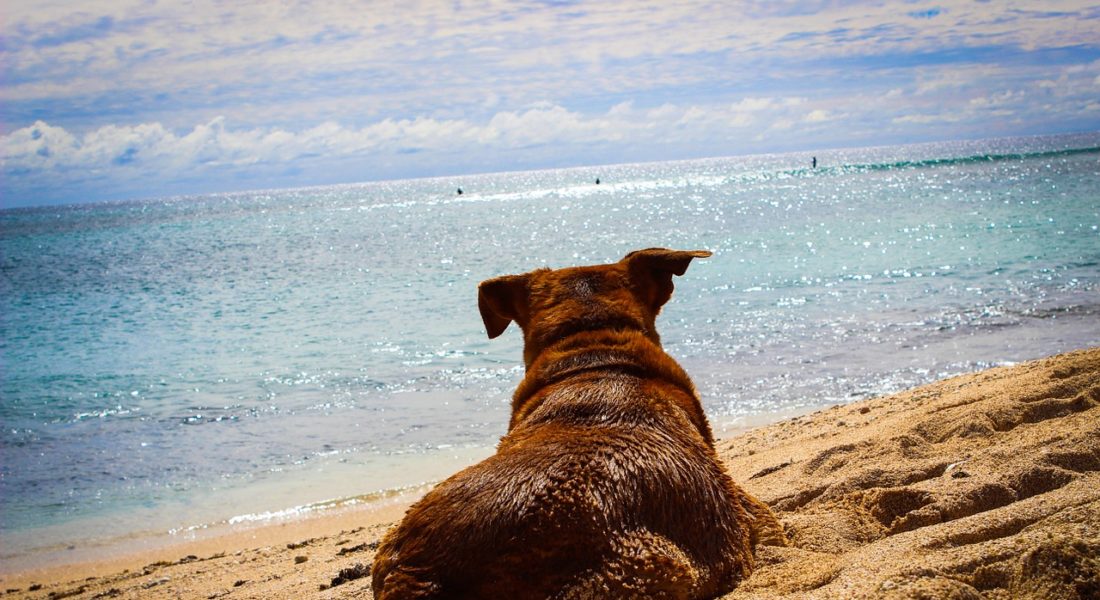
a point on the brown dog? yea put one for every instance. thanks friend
(607, 484)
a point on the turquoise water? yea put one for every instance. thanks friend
(177, 362)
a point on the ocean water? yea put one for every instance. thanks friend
(172, 364)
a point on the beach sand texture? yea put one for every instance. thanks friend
(979, 486)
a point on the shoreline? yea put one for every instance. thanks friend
(333, 488)
(221, 540)
(882, 479)
(234, 534)
(131, 547)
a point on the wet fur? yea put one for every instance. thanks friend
(607, 484)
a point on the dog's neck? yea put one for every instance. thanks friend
(627, 352)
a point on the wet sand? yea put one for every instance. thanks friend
(980, 486)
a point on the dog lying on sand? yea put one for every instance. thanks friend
(607, 484)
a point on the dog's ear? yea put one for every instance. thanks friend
(651, 271)
(502, 300)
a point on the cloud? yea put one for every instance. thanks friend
(119, 160)
(42, 147)
(42, 155)
(133, 91)
(541, 125)
(926, 119)
(252, 61)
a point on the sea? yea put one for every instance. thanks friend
(173, 365)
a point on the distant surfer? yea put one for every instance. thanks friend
(814, 166)
(597, 181)
(459, 191)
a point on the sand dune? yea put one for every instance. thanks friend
(980, 486)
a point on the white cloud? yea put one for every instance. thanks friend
(753, 104)
(746, 112)
(781, 124)
(926, 119)
(251, 57)
(938, 80)
(539, 125)
(46, 150)
(162, 90)
(997, 99)
(43, 147)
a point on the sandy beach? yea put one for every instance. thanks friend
(985, 485)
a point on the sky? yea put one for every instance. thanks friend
(143, 98)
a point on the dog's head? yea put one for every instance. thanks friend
(549, 305)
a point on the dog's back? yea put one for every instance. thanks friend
(606, 485)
